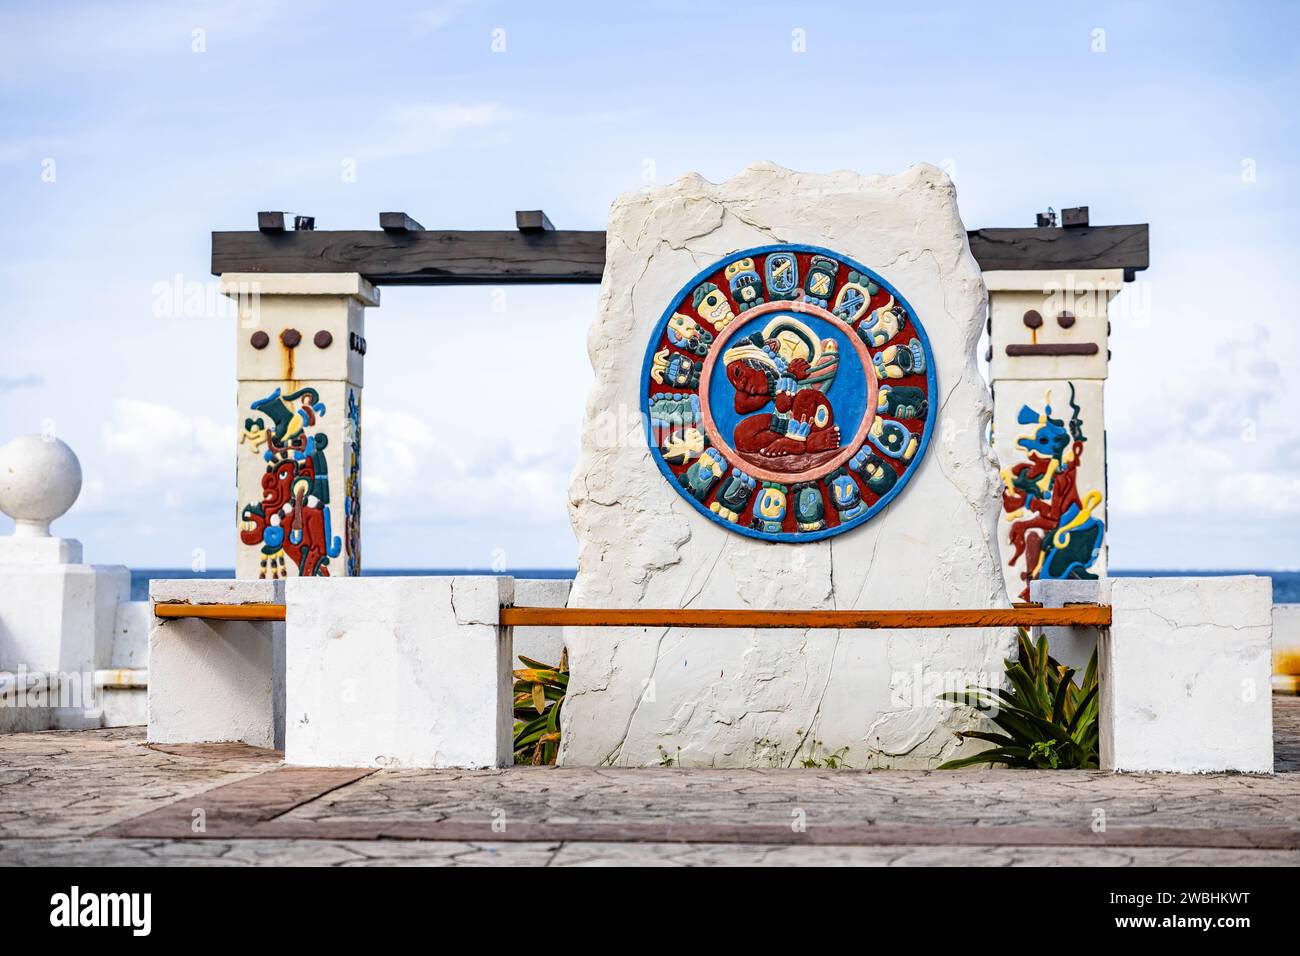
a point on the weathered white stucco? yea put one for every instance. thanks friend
(58, 616)
(215, 681)
(544, 644)
(1183, 671)
(1286, 648)
(398, 672)
(741, 698)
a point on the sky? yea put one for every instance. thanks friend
(132, 130)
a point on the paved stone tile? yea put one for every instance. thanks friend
(712, 854)
(350, 853)
(57, 788)
(108, 852)
(1286, 734)
(841, 798)
(59, 783)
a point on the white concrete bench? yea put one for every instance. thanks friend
(215, 679)
(1184, 670)
(415, 671)
(356, 672)
(399, 672)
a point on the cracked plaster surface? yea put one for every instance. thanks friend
(732, 698)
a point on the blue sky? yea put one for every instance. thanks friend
(1181, 115)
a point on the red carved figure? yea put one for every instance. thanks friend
(804, 420)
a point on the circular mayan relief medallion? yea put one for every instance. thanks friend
(788, 393)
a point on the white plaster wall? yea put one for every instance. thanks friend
(1286, 638)
(214, 681)
(25, 702)
(544, 644)
(745, 698)
(130, 646)
(1286, 648)
(1183, 672)
(1071, 646)
(1085, 293)
(59, 617)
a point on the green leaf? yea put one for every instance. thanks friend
(1012, 756)
(1045, 716)
(536, 665)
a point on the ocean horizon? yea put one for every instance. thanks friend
(1286, 584)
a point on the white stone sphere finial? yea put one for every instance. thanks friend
(40, 479)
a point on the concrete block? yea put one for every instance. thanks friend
(544, 644)
(59, 617)
(398, 672)
(213, 681)
(1072, 646)
(27, 702)
(1184, 672)
(1286, 648)
(130, 644)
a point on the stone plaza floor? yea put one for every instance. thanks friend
(89, 798)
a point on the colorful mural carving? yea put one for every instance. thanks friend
(293, 517)
(787, 393)
(1052, 526)
(352, 487)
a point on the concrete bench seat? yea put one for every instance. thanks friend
(362, 672)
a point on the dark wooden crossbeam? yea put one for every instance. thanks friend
(430, 257)
(530, 255)
(1075, 247)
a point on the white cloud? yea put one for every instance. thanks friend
(154, 454)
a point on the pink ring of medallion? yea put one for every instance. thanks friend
(848, 448)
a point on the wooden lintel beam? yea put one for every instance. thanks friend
(1075, 247)
(538, 255)
(431, 257)
(398, 222)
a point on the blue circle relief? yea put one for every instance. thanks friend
(788, 393)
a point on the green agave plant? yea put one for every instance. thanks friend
(1047, 720)
(539, 695)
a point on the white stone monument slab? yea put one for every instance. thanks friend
(746, 698)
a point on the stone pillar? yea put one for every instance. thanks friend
(399, 672)
(299, 360)
(57, 614)
(1048, 361)
(804, 276)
